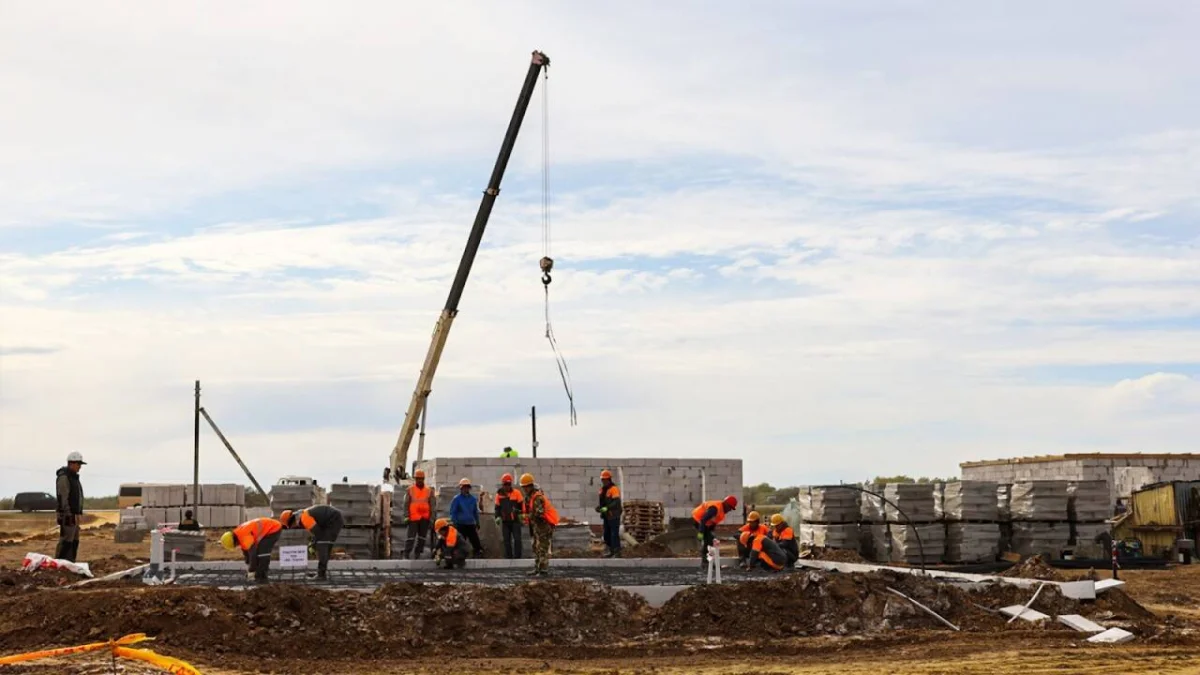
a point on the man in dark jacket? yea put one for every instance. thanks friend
(324, 523)
(510, 506)
(189, 522)
(70, 507)
(609, 509)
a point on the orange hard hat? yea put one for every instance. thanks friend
(526, 479)
(419, 473)
(777, 519)
(606, 474)
(466, 482)
(440, 524)
(731, 502)
(753, 515)
(506, 478)
(285, 517)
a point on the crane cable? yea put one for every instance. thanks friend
(547, 263)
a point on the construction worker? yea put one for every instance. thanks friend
(707, 516)
(450, 551)
(419, 506)
(189, 522)
(256, 538)
(542, 518)
(783, 535)
(764, 551)
(610, 514)
(324, 523)
(746, 535)
(464, 514)
(510, 507)
(508, 453)
(70, 507)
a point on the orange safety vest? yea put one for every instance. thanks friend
(551, 512)
(783, 534)
(451, 537)
(514, 496)
(307, 521)
(762, 555)
(698, 512)
(252, 531)
(418, 505)
(747, 534)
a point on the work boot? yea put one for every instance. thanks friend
(616, 553)
(322, 575)
(532, 573)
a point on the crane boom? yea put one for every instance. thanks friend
(441, 330)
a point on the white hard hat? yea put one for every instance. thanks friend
(75, 457)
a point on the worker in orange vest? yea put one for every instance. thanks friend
(510, 508)
(451, 550)
(256, 538)
(707, 516)
(746, 535)
(764, 551)
(610, 514)
(542, 518)
(419, 506)
(783, 535)
(324, 523)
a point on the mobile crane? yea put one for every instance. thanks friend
(441, 330)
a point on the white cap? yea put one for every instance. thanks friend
(75, 457)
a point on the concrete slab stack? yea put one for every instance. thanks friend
(186, 545)
(925, 543)
(972, 542)
(1039, 517)
(573, 483)
(916, 501)
(875, 543)
(571, 538)
(971, 513)
(359, 504)
(1040, 538)
(970, 500)
(222, 505)
(830, 535)
(293, 497)
(1088, 507)
(829, 504)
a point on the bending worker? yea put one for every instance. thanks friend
(542, 518)
(783, 535)
(464, 513)
(510, 508)
(746, 535)
(764, 551)
(419, 505)
(324, 523)
(256, 538)
(610, 514)
(450, 551)
(707, 516)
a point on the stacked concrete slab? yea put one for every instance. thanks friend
(1123, 473)
(1088, 508)
(914, 499)
(359, 504)
(971, 513)
(571, 538)
(1040, 538)
(875, 543)
(573, 483)
(909, 507)
(830, 535)
(293, 497)
(1039, 517)
(829, 504)
(222, 505)
(185, 545)
(915, 544)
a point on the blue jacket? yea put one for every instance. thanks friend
(464, 510)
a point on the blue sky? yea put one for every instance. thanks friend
(835, 242)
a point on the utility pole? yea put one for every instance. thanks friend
(196, 460)
(533, 418)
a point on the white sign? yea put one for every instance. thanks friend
(293, 556)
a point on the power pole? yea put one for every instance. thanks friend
(196, 459)
(533, 418)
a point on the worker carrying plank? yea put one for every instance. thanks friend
(746, 535)
(419, 506)
(707, 516)
(510, 509)
(783, 535)
(542, 518)
(764, 551)
(610, 514)
(324, 523)
(450, 551)
(256, 538)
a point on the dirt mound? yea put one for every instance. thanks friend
(836, 555)
(648, 549)
(14, 582)
(111, 564)
(1034, 568)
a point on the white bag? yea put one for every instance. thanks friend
(37, 561)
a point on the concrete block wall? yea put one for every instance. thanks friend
(1123, 473)
(573, 483)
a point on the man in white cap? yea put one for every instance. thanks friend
(70, 507)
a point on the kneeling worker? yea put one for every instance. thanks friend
(256, 538)
(746, 535)
(451, 549)
(707, 516)
(783, 535)
(764, 551)
(324, 523)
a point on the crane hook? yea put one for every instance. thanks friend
(547, 264)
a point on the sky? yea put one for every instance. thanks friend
(835, 241)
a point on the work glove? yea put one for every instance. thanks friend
(249, 576)
(699, 536)
(603, 509)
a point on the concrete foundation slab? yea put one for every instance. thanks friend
(1080, 623)
(1024, 614)
(1105, 584)
(1112, 636)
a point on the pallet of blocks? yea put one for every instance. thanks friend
(1039, 500)
(972, 513)
(187, 546)
(826, 535)
(360, 507)
(918, 544)
(293, 498)
(916, 537)
(360, 543)
(829, 504)
(571, 538)
(874, 541)
(643, 519)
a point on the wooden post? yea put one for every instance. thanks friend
(196, 457)
(533, 418)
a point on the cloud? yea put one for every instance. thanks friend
(793, 238)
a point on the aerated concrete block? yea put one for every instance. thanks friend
(1031, 615)
(1112, 636)
(1080, 623)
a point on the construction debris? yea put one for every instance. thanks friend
(1112, 636)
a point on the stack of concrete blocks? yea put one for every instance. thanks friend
(829, 516)
(1123, 473)
(1088, 509)
(577, 538)
(359, 504)
(187, 546)
(573, 484)
(970, 511)
(293, 498)
(875, 542)
(131, 526)
(914, 500)
(222, 505)
(1039, 518)
(1004, 506)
